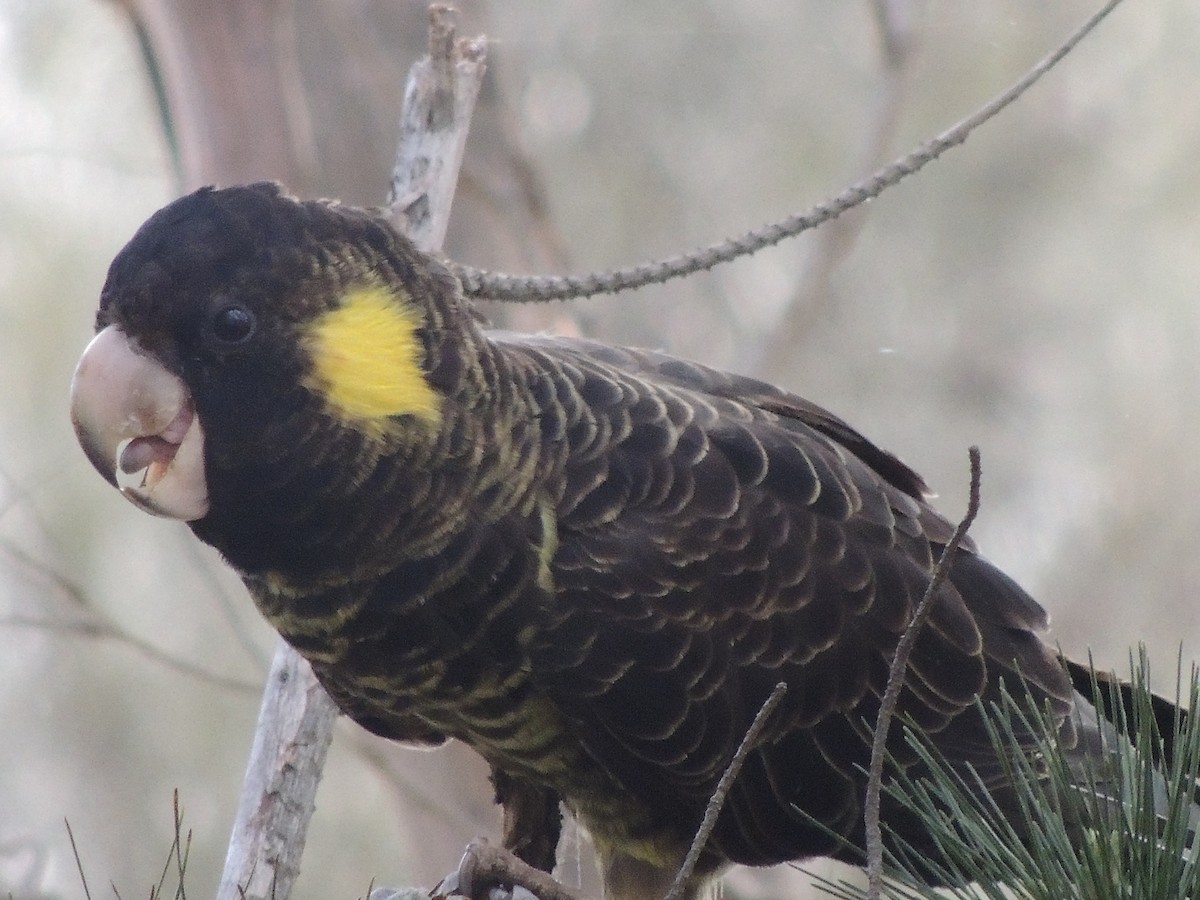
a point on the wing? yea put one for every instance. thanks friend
(717, 536)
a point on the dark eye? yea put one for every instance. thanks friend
(232, 324)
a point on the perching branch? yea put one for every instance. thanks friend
(895, 683)
(296, 720)
(291, 740)
(534, 288)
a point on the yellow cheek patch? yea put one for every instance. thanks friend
(367, 359)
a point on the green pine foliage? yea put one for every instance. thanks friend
(1137, 830)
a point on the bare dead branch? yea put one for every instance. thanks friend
(533, 288)
(438, 101)
(717, 800)
(895, 682)
(290, 743)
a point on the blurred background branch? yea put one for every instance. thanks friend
(896, 35)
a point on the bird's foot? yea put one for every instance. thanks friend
(490, 873)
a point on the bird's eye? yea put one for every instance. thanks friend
(232, 324)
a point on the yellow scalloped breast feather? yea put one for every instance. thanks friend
(367, 359)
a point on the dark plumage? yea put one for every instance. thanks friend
(590, 563)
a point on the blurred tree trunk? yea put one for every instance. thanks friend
(309, 94)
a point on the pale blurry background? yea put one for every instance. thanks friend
(1034, 293)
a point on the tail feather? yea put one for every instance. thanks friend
(1106, 711)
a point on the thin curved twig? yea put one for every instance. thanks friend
(895, 682)
(721, 792)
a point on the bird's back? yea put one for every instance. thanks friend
(714, 536)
